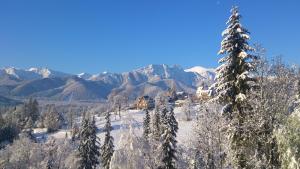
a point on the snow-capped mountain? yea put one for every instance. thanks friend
(47, 73)
(149, 80)
(85, 76)
(204, 72)
(31, 73)
(20, 73)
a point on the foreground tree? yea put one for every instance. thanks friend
(272, 102)
(89, 145)
(210, 139)
(22, 153)
(289, 141)
(107, 150)
(233, 82)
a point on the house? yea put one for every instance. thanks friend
(145, 102)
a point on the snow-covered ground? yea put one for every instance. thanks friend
(120, 125)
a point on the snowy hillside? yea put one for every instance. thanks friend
(120, 126)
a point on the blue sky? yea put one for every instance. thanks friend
(120, 35)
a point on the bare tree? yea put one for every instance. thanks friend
(188, 109)
(271, 106)
(119, 102)
(211, 141)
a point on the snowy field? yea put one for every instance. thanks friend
(121, 125)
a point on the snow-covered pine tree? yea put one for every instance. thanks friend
(146, 125)
(95, 142)
(156, 123)
(33, 107)
(163, 117)
(169, 140)
(233, 81)
(107, 150)
(89, 145)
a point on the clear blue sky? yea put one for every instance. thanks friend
(120, 35)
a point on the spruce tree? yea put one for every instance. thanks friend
(107, 149)
(233, 82)
(52, 119)
(156, 129)
(146, 125)
(169, 140)
(33, 109)
(89, 145)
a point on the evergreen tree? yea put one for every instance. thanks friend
(26, 115)
(146, 125)
(233, 82)
(89, 145)
(33, 108)
(169, 140)
(156, 129)
(52, 119)
(107, 149)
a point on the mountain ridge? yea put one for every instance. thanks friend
(148, 80)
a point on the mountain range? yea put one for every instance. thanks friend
(54, 85)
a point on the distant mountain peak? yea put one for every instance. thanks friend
(44, 72)
(84, 75)
(32, 73)
(11, 71)
(204, 72)
(200, 69)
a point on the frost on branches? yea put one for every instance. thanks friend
(210, 141)
(289, 141)
(130, 154)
